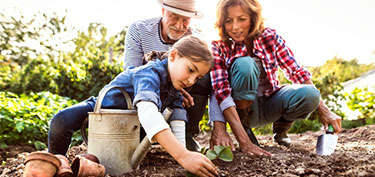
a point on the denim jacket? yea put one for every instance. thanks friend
(148, 82)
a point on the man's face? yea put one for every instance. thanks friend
(174, 25)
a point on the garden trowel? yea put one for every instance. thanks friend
(327, 142)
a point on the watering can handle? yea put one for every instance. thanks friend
(98, 104)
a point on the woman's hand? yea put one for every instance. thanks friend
(252, 149)
(220, 137)
(327, 117)
(197, 163)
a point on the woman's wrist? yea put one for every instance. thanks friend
(218, 125)
(323, 109)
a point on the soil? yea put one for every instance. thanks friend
(354, 156)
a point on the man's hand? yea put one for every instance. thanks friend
(220, 137)
(188, 99)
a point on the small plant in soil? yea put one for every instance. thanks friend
(223, 153)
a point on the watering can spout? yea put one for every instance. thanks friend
(142, 149)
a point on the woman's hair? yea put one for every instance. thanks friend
(252, 7)
(194, 49)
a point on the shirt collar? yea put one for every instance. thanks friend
(256, 45)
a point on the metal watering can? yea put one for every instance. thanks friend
(113, 136)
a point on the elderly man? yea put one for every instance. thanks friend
(159, 34)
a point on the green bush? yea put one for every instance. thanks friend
(95, 58)
(66, 78)
(362, 100)
(24, 118)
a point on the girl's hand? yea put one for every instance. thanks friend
(198, 164)
(192, 161)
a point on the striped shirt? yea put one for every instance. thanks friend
(143, 37)
(272, 51)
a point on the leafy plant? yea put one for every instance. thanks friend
(223, 153)
(24, 118)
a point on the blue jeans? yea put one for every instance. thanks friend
(291, 102)
(65, 122)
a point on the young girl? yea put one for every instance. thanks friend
(153, 87)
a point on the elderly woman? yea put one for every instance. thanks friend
(246, 89)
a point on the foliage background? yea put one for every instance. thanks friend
(43, 71)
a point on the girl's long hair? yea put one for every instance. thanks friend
(189, 47)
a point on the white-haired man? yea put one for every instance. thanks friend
(159, 34)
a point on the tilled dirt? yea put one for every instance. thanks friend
(354, 156)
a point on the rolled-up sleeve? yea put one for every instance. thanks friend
(178, 114)
(214, 110)
(146, 87)
(144, 95)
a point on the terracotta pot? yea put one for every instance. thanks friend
(41, 164)
(91, 157)
(83, 167)
(64, 170)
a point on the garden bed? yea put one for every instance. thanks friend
(354, 156)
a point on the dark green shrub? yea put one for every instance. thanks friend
(24, 118)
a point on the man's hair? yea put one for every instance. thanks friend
(194, 49)
(252, 7)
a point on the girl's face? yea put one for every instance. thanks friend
(237, 24)
(185, 72)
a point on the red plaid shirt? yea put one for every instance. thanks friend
(272, 51)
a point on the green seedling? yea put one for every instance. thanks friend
(223, 153)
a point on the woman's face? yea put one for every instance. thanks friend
(237, 23)
(184, 72)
